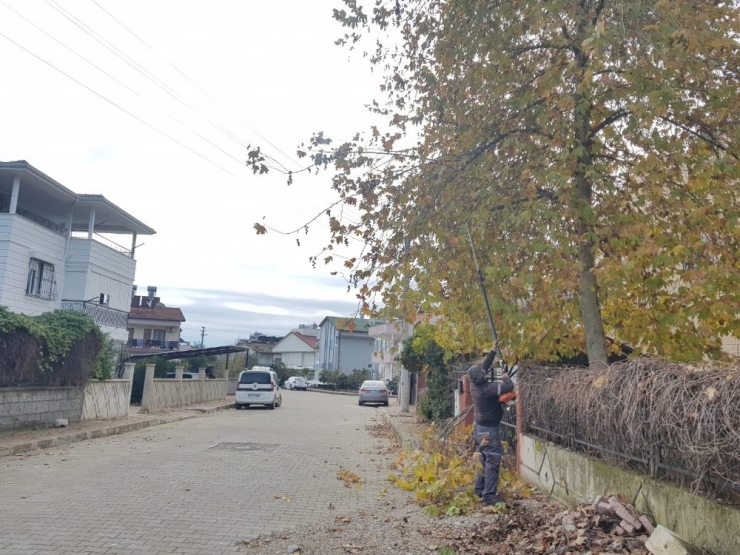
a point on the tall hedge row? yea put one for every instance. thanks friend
(59, 348)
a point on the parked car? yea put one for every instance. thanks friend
(373, 391)
(296, 382)
(258, 386)
(185, 375)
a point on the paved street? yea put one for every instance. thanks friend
(200, 486)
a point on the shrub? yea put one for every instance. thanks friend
(55, 348)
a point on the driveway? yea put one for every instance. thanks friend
(200, 486)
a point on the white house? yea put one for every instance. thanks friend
(152, 326)
(57, 251)
(388, 342)
(297, 350)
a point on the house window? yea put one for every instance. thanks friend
(41, 280)
(158, 335)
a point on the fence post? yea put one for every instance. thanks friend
(466, 399)
(202, 382)
(128, 374)
(519, 414)
(178, 377)
(147, 396)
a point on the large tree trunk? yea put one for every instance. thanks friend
(593, 325)
(588, 289)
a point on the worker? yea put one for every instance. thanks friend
(488, 413)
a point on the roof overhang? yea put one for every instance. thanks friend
(109, 217)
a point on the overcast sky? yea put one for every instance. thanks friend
(212, 76)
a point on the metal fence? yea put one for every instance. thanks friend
(507, 429)
(658, 466)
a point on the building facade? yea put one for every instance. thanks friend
(296, 350)
(152, 326)
(388, 339)
(62, 250)
(344, 344)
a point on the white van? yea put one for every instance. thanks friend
(258, 386)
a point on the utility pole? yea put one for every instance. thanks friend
(202, 337)
(404, 389)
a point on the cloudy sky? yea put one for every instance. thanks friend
(151, 103)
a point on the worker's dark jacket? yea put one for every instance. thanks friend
(488, 410)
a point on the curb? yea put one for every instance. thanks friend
(408, 441)
(100, 432)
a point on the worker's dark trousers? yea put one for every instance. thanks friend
(488, 443)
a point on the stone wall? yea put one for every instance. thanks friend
(24, 407)
(572, 478)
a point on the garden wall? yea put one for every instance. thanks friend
(25, 407)
(573, 478)
(167, 393)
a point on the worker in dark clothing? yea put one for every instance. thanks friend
(488, 413)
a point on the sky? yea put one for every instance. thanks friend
(152, 104)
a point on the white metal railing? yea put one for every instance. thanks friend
(103, 241)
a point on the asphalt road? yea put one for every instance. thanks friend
(200, 486)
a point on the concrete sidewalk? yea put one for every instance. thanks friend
(14, 442)
(406, 426)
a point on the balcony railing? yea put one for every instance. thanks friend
(153, 344)
(103, 241)
(101, 314)
(35, 218)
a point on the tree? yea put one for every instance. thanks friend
(421, 353)
(591, 146)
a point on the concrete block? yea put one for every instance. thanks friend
(60, 423)
(664, 542)
(21, 448)
(45, 443)
(645, 521)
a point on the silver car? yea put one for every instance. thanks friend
(373, 391)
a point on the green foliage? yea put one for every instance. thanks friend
(421, 353)
(60, 330)
(105, 363)
(329, 376)
(54, 348)
(282, 371)
(342, 381)
(196, 363)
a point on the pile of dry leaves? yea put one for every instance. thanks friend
(538, 525)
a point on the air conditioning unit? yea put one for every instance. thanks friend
(171, 329)
(104, 299)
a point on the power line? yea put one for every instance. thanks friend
(148, 75)
(121, 83)
(109, 101)
(198, 87)
(142, 41)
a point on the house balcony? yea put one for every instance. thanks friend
(35, 218)
(152, 345)
(101, 314)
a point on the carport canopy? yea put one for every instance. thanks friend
(193, 353)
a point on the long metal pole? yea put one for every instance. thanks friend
(482, 284)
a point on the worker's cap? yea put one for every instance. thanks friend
(477, 375)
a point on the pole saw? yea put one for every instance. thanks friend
(506, 397)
